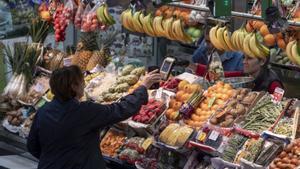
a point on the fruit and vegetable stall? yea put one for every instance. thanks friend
(188, 123)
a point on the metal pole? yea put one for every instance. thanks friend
(233, 13)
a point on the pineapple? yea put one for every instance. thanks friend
(102, 56)
(87, 44)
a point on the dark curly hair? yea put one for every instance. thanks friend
(63, 80)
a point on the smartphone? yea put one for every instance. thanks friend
(150, 69)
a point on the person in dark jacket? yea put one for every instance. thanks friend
(65, 132)
(265, 79)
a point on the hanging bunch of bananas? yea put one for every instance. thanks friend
(293, 51)
(240, 40)
(157, 26)
(104, 16)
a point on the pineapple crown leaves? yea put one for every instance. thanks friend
(107, 42)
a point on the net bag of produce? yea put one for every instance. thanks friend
(90, 21)
(69, 11)
(78, 15)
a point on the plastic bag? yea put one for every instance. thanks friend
(215, 68)
(90, 21)
(69, 11)
(78, 15)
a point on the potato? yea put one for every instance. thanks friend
(240, 109)
(213, 120)
(15, 121)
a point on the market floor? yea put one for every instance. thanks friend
(12, 160)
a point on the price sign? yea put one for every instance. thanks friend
(67, 61)
(159, 93)
(277, 95)
(39, 88)
(214, 135)
(222, 8)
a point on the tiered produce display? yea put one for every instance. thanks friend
(183, 120)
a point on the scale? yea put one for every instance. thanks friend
(166, 68)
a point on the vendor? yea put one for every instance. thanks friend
(231, 61)
(65, 132)
(265, 78)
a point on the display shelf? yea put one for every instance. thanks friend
(287, 67)
(233, 13)
(116, 163)
(13, 139)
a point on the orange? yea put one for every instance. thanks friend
(214, 107)
(204, 106)
(279, 35)
(177, 105)
(230, 93)
(249, 27)
(179, 95)
(257, 24)
(281, 44)
(219, 102)
(220, 83)
(185, 97)
(172, 103)
(227, 86)
(199, 111)
(269, 40)
(224, 97)
(219, 95)
(169, 113)
(264, 30)
(195, 88)
(158, 12)
(195, 117)
(182, 84)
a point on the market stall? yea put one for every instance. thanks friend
(189, 122)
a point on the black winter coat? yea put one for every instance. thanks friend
(65, 135)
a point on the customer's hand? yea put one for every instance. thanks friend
(151, 78)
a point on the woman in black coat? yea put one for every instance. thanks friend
(65, 132)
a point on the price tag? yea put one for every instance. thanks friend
(159, 93)
(201, 136)
(39, 88)
(67, 61)
(277, 95)
(147, 143)
(214, 135)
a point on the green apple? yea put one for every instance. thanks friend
(191, 30)
(197, 33)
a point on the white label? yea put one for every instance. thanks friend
(159, 94)
(39, 88)
(214, 135)
(67, 61)
(278, 95)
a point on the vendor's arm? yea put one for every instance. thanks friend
(33, 143)
(100, 115)
(200, 54)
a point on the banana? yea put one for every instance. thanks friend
(246, 47)
(213, 38)
(167, 25)
(234, 40)
(289, 51)
(109, 19)
(136, 22)
(242, 35)
(220, 37)
(126, 18)
(178, 31)
(227, 39)
(255, 47)
(157, 26)
(147, 25)
(295, 54)
(100, 14)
